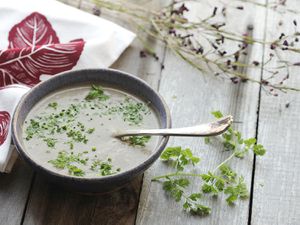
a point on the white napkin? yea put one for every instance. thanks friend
(10, 97)
(40, 38)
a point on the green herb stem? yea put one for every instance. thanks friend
(177, 174)
(224, 162)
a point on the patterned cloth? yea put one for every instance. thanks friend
(41, 38)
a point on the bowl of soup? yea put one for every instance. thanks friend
(64, 127)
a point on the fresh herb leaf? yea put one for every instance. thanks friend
(132, 111)
(175, 187)
(213, 183)
(66, 160)
(53, 105)
(179, 157)
(259, 150)
(199, 209)
(233, 141)
(206, 140)
(74, 170)
(236, 191)
(77, 136)
(137, 140)
(217, 114)
(50, 142)
(96, 92)
(192, 206)
(222, 179)
(47, 125)
(105, 168)
(91, 130)
(32, 129)
(209, 188)
(227, 173)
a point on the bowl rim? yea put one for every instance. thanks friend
(141, 167)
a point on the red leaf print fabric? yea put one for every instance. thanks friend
(34, 30)
(33, 50)
(4, 126)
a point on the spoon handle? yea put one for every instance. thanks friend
(203, 130)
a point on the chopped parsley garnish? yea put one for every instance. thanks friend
(53, 105)
(91, 130)
(131, 111)
(104, 168)
(96, 93)
(71, 145)
(32, 129)
(68, 161)
(136, 140)
(77, 136)
(59, 123)
(50, 142)
(74, 170)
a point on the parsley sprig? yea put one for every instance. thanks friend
(131, 111)
(179, 157)
(233, 141)
(60, 122)
(96, 92)
(176, 189)
(222, 180)
(50, 142)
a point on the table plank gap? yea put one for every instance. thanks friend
(28, 197)
(276, 198)
(164, 55)
(258, 114)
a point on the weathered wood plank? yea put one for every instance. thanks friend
(14, 189)
(74, 3)
(191, 97)
(50, 205)
(277, 178)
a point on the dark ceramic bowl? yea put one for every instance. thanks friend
(109, 77)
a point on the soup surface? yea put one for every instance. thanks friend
(70, 131)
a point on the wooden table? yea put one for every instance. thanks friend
(25, 198)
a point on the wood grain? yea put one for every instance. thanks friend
(277, 178)
(49, 204)
(191, 97)
(74, 3)
(14, 189)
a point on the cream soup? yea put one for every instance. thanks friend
(70, 131)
